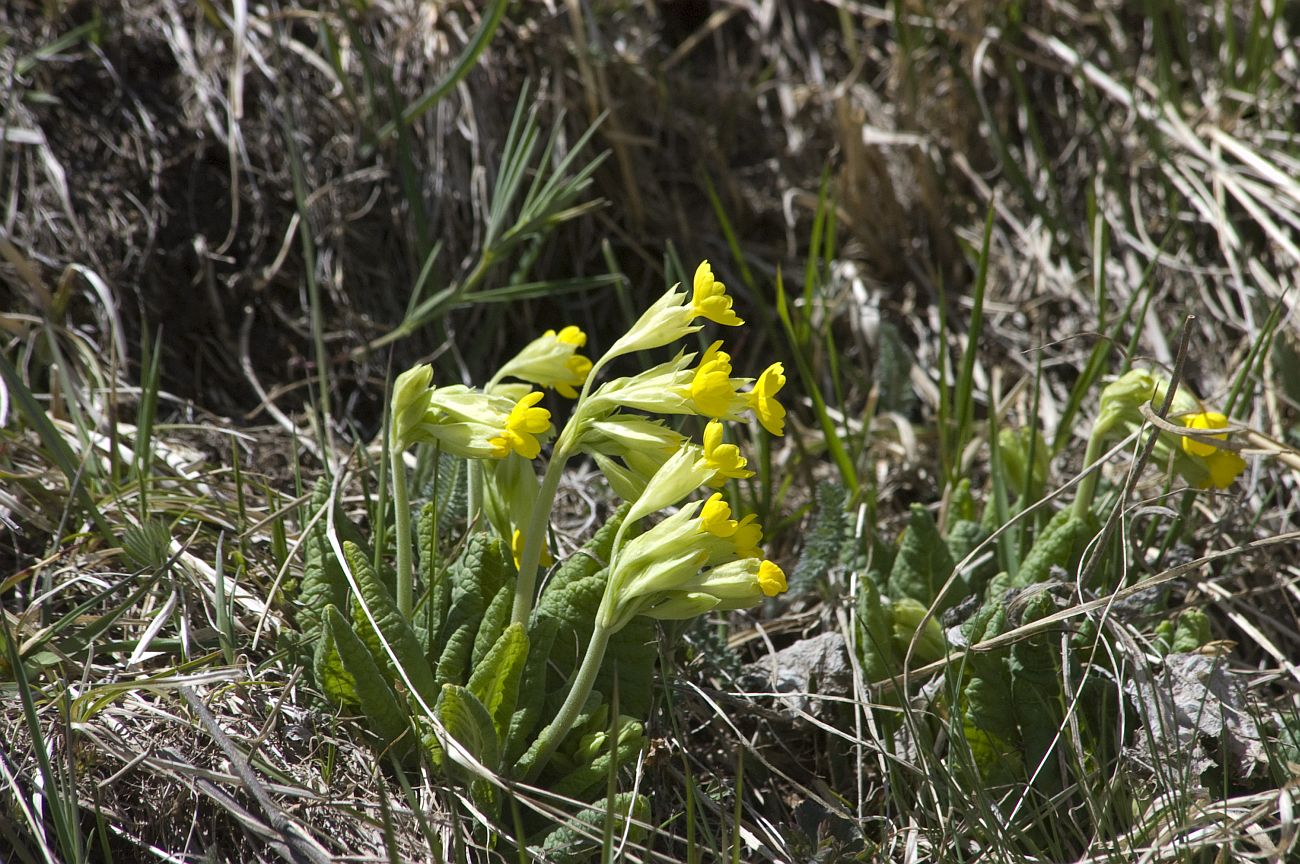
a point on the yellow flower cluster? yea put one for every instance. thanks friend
(464, 421)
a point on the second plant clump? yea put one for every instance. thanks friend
(471, 647)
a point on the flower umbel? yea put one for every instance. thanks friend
(709, 298)
(522, 427)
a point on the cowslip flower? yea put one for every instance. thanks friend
(722, 462)
(682, 473)
(524, 423)
(1221, 466)
(712, 390)
(709, 298)
(551, 360)
(459, 419)
(762, 399)
(671, 318)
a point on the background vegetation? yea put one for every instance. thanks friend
(225, 224)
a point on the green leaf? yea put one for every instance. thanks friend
(1184, 633)
(876, 634)
(592, 557)
(923, 562)
(431, 615)
(1036, 694)
(470, 724)
(494, 623)
(907, 616)
(1060, 544)
(532, 690)
(387, 719)
(598, 760)
(961, 505)
(496, 678)
(396, 631)
(576, 840)
(630, 651)
(323, 583)
(476, 577)
(570, 601)
(331, 675)
(988, 714)
(963, 537)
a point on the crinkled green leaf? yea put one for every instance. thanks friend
(432, 614)
(387, 719)
(824, 540)
(1060, 544)
(558, 761)
(923, 562)
(961, 504)
(631, 651)
(495, 681)
(907, 616)
(532, 690)
(576, 840)
(397, 632)
(988, 714)
(595, 760)
(1036, 693)
(323, 581)
(327, 666)
(1184, 633)
(875, 634)
(494, 623)
(591, 558)
(962, 539)
(470, 724)
(453, 662)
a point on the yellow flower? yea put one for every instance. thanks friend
(517, 550)
(712, 389)
(1221, 466)
(709, 298)
(667, 320)
(1204, 420)
(762, 399)
(724, 460)
(571, 335)
(1224, 466)
(522, 426)
(551, 360)
(747, 537)
(715, 517)
(771, 579)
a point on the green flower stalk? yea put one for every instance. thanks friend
(697, 560)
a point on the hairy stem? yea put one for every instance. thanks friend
(579, 690)
(402, 526)
(1088, 486)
